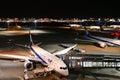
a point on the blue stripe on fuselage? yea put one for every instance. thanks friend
(37, 55)
(88, 35)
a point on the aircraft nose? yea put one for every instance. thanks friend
(66, 73)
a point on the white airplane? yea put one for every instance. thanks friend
(107, 30)
(94, 27)
(103, 42)
(75, 25)
(114, 26)
(50, 61)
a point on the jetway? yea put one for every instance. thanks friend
(78, 61)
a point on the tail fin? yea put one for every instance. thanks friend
(86, 31)
(100, 24)
(31, 41)
(101, 28)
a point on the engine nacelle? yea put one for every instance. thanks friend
(28, 65)
(102, 44)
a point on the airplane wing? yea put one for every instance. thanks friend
(31, 58)
(74, 49)
(64, 51)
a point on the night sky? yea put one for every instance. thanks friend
(60, 8)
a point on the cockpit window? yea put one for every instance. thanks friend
(63, 67)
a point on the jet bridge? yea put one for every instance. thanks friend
(78, 61)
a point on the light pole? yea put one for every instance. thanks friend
(35, 22)
(8, 24)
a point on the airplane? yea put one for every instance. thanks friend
(114, 26)
(114, 33)
(103, 42)
(94, 27)
(74, 25)
(50, 61)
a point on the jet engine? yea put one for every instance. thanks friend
(28, 65)
(102, 44)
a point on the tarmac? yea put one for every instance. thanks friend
(14, 70)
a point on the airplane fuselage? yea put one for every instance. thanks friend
(51, 60)
(103, 41)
